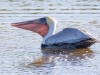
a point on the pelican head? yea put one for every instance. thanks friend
(40, 26)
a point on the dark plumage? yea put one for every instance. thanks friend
(70, 46)
(77, 39)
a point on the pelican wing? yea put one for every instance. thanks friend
(68, 35)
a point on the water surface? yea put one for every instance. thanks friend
(20, 50)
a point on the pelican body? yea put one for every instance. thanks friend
(68, 38)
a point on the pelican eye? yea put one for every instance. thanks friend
(43, 20)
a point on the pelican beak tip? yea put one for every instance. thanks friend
(14, 24)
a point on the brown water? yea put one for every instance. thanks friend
(20, 50)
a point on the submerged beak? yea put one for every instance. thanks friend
(39, 25)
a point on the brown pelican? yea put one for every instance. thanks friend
(68, 38)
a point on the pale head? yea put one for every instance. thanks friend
(50, 20)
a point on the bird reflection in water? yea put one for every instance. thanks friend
(51, 57)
